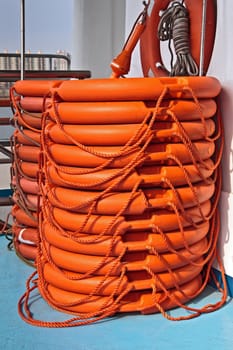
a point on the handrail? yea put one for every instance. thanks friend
(51, 61)
(5, 121)
(13, 75)
(9, 76)
(5, 200)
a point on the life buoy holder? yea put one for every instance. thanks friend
(151, 57)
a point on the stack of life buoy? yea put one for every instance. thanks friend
(130, 182)
(27, 99)
(129, 188)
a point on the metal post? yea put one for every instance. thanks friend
(22, 37)
(203, 29)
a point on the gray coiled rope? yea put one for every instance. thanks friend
(174, 24)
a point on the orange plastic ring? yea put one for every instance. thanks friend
(155, 154)
(148, 176)
(129, 112)
(132, 241)
(120, 134)
(134, 301)
(142, 200)
(132, 89)
(103, 224)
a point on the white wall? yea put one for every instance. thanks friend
(133, 8)
(98, 34)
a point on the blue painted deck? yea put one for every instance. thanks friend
(125, 332)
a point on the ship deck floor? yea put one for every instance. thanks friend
(122, 332)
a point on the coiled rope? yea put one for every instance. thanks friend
(174, 25)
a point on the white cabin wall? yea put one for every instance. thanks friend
(99, 29)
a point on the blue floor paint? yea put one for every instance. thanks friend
(125, 332)
(229, 281)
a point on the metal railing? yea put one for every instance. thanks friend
(47, 67)
(6, 157)
(10, 64)
(35, 61)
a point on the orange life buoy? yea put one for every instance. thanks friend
(30, 121)
(132, 261)
(27, 137)
(155, 154)
(104, 286)
(141, 201)
(27, 203)
(35, 87)
(29, 186)
(25, 250)
(131, 242)
(109, 225)
(121, 112)
(30, 200)
(132, 89)
(28, 169)
(34, 104)
(150, 44)
(26, 235)
(143, 302)
(27, 153)
(23, 218)
(148, 176)
(120, 134)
